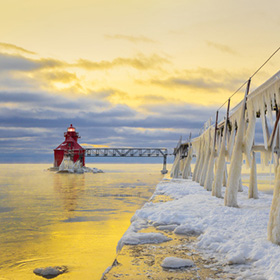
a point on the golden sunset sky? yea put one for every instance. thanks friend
(148, 71)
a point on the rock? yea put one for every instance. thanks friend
(50, 271)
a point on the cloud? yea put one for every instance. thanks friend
(221, 47)
(39, 120)
(140, 62)
(202, 78)
(12, 62)
(61, 76)
(12, 47)
(130, 38)
(17, 62)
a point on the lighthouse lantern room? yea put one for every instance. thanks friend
(69, 148)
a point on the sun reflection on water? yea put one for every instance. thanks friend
(50, 219)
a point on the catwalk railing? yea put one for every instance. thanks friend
(129, 152)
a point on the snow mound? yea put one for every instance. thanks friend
(173, 262)
(50, 271)
(188, 229)
(133, 237)
(136, 238)
(167, 227)
(238, 258)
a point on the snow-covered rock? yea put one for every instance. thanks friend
(144, 238)
(173, 262)
(133, 237)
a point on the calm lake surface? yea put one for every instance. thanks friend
(50, 219)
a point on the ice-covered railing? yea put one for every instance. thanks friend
(233, 139)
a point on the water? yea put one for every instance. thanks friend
(50, 219)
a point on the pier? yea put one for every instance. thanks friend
(129, 152)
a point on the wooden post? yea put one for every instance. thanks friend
(164, 171)
(216, 128)
(227, 117)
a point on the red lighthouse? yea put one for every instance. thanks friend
(70, 148)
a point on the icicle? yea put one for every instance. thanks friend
(231, 142)
(210, 172)
(277, 95)
(174, 173)
(249, 138)
(268, 102)
(198, 154)
(236, 163)
(181, 166)
(186, 170)
(240, 187)
(275, 162)
(264, 127)
(206, 160)
(199, 171)
(218, 180)
(225, 176)
(201, 158)
(177, 166)
(253, 187)
(273, 228)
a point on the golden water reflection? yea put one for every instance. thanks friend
(50, 219)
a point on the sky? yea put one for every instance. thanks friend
(125, 73)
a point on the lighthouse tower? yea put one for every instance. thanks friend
(70, 148)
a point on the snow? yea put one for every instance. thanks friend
(133, 237)
(173, 262)
(68, 166)
(234, 236)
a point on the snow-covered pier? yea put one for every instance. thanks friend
(184, 220)
(232, 140)
(235, 229)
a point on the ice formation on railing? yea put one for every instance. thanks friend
(234, 139)
(187, 164)
(220, 170)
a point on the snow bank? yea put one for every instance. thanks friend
(173, 262)
(232, 235)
